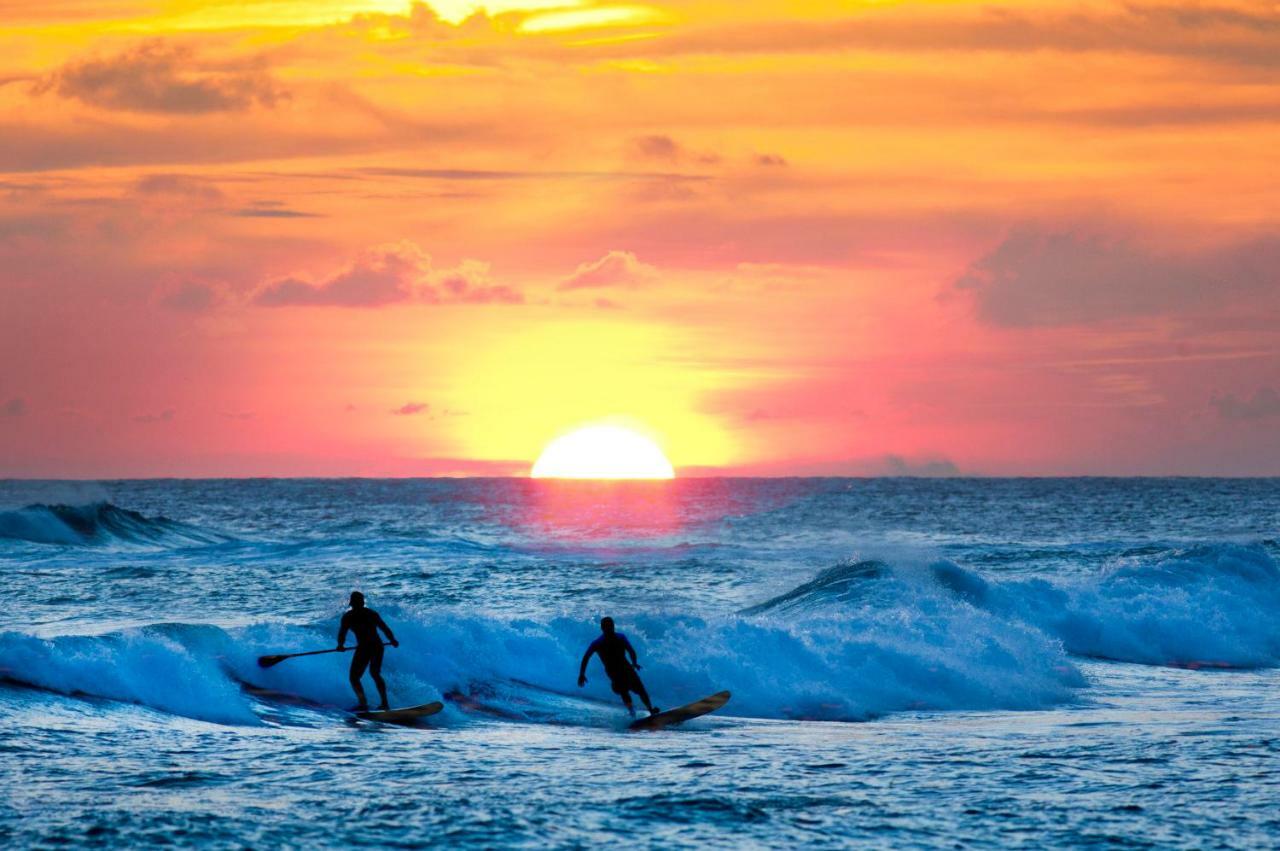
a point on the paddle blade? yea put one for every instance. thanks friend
(268, 661)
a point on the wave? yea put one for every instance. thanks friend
(98, 523)
(858, 641)
(939, 656)
(1206, 606)
(169, 669)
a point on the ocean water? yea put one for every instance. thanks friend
(914, 663)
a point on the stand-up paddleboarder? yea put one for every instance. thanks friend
(364, 623)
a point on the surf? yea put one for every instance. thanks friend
(859, 640)
(1206, 605)
(98, 523)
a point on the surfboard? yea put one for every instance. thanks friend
(401, 716)
(682, 713)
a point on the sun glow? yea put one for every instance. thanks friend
(602, 452)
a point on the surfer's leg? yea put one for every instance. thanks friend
(358, 663)
(375, 671)
(638, 688)
(620, 689)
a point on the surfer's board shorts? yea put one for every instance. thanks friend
(624, 681)
(366, 657)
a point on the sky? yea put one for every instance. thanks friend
(347, 238)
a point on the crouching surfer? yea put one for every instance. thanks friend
(364, 623)
(613, 649)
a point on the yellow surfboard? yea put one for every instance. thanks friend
(682, 713)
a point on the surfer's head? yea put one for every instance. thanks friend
(606, 626)
(357, 600)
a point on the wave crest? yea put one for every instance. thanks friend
(1214, 605)
(98, 523)
(1208, 606)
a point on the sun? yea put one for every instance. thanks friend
(602, 452)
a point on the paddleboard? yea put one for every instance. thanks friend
(682, 713)
(401, 716)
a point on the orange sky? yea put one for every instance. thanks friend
(372, 238)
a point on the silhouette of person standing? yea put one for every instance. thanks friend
(613, 649)
(364, 624)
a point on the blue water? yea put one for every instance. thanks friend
(914, 663)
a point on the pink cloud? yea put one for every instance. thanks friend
(1037, 277)
(390, 275)
(1264, 404)
(617, 268)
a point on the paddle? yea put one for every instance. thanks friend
(276, 659)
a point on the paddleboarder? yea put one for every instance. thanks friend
(364, 623)
(613, 648)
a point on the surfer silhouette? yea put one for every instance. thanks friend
(364, 624)
(613, 649)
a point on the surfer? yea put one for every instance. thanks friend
(364, 624)
(613, 650)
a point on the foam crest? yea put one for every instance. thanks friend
(1208, 606)
(151, 667)
(1213, 605)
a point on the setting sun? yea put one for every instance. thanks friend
(602, 452)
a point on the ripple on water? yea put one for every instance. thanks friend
(692, 809)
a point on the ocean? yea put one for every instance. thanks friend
(915, 663)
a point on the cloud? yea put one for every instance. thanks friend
(179, 185)
(163, 417)
(617, 268)
(770, 161)
(896, 465)
(392, 274)
(468, 283)
(383, 276)
(410, 408)
(667, 150)
(656, 148)
(489, 174)
(1176, 29)
(1264, 403)
(157, 77)
(877, 466)
(191, 297)
(1041, 278)
(15, 407)
(272, 213)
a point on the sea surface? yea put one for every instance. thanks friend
(956, 663)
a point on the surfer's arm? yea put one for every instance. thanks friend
(586, 657)
(631, 651)
(342, 633)
(382, 625)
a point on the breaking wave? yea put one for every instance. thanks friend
(98, 523)
(859, 640)
(1207, 606)
(944, 655)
